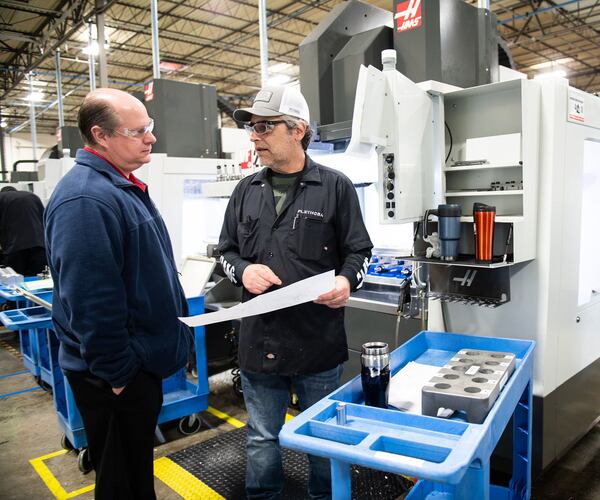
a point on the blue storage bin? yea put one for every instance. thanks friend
(40, 346)
(450, 457)
(181, 398)
(31, 323)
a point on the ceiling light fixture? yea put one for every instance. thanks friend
(170, 66)
(550, 64)
(94, 49)
(278, 79)
(35, 96)
(559, 73)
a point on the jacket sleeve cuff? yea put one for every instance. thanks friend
(233, 267)
(240, 268)
(354, 270)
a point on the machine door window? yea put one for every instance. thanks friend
(589, 263)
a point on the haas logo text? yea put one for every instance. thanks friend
(408, 15)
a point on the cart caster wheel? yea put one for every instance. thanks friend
(65, 443)
(189, 425)
(83, 461)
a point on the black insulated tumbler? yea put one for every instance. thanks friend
(375, 373)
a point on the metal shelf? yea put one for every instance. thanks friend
(464, 261)
(499, 218)
(513, 192)
(479, 167)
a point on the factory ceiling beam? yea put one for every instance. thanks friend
(18, 36)
(199, 41)
(252, 5)
(25, 7)
(553, 34)
(57, 30)
(272, 22)
(537, 17)
(545, 45)
(213, 26)
(576, 20)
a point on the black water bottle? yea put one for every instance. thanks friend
(375, 373)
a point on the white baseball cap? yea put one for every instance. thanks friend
(275, 101)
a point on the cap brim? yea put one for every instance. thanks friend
(245, 114)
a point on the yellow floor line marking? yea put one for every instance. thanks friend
(223, 416)
(182, 482)
(51, 482)
(174, 476)
(80, 491)
(50, 455)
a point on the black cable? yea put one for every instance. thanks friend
(449, 150)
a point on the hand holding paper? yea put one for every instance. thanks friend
(300, 292)
(337, 297)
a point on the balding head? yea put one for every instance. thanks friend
(105, 108)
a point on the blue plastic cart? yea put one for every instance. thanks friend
(31, 323)
(32, 333)
(182, 399)
(450, 457)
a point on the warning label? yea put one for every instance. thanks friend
(575, 107)
(408, 15)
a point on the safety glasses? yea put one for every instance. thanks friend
(261, 128)
(137, 132)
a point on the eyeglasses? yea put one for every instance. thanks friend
(262, 128)
(137, 132)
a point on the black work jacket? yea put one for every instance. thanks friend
(320, 227)
(21, 221)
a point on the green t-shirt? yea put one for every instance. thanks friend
(281, 185)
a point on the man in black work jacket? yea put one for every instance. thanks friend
(291, 220)
(22, 231)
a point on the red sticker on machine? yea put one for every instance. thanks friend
(408, 15)
(149, 91)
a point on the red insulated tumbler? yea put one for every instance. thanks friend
(484, 217)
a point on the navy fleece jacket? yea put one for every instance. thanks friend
(117, 294)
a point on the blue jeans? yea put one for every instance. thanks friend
(267, 397)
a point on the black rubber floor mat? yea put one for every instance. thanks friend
(220, 463)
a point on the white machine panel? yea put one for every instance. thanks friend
(394, 114)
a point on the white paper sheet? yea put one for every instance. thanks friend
(406, 385)
(306, 290)
(45, 284)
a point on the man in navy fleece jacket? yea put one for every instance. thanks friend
(117, 294)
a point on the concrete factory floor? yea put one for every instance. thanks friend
(33, 465)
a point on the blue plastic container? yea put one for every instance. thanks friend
(181, 398)
(450, 457)
(39, 346)
(31, 323)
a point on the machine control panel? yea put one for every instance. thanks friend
(387, 179)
